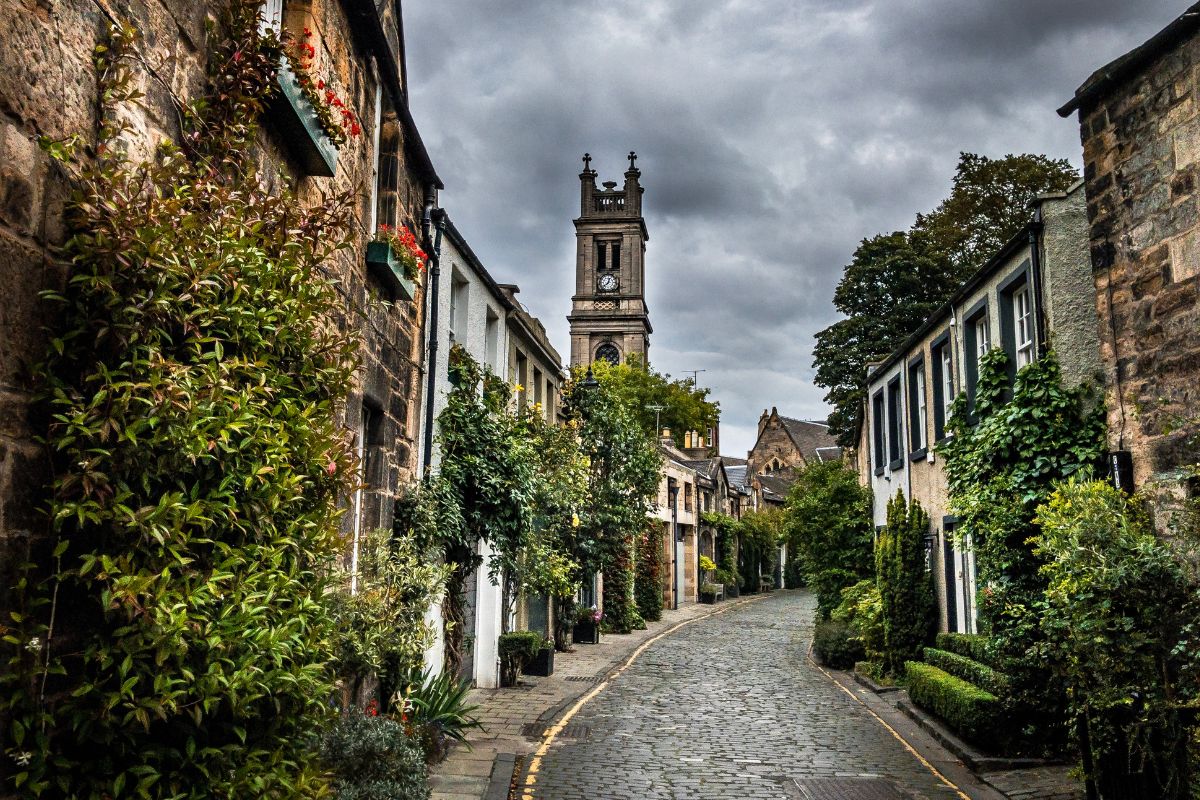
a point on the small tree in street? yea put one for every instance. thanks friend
(908, 609)
(828, 522)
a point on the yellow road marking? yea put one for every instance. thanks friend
(535, 763)
(891, 730)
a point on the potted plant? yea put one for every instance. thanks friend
(397, 258)
(709, 592)
(517, 648)
(315, 120)
(542, 663)
(587, 626)
(707, 565)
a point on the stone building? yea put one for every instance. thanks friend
(675, 509)
(609, 317)
(1034, 294)
(783, 446)
(48, 87)
(1139, 120)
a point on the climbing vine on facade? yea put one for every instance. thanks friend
(193, 388)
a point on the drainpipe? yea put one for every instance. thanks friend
(673, 493)
(1035, 277)
(435, 271)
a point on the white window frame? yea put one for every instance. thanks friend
(983, 338)
(1023, 326)
(272, 12)
(947, 384)
(922, 411)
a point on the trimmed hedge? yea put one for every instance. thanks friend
(969, 670)
(968, 645)
(966, 708)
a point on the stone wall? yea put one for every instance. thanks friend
(1141, 140)
(773, 442)
(48, 87)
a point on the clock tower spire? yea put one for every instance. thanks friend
(609, 317)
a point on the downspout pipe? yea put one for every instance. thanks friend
(436, 217)
(1036, 230)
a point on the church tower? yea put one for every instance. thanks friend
(609, 318)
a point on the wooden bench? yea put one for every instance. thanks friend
(719, 594)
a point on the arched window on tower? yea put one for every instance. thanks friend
(608, 352)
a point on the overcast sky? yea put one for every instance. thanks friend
(773, 136)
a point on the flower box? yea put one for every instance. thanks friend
(301, 127)
(382, 261)
(586, 633)
(541, 664)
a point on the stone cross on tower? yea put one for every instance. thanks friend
(609, 317)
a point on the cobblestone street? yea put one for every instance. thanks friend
(729, 707)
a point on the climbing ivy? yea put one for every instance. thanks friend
(999, 468)
(193, 386)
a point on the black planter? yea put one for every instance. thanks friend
(542, 664)
(708, 599)
(586, 633)
(731, 590)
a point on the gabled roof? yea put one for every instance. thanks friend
(1115, 72)
(809, 436)
(775, 487)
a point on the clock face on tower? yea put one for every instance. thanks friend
(607, 283)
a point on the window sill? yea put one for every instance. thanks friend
(301, 128)
(896, 465)
(918, 455)
(878, 471)
(382, 262)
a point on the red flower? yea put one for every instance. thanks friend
(331, 467)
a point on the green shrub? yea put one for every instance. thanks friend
(869, 669)
(966, 708)
(837, 645)
(372, 758)
(517, 648)
(969, 670)
(969, 645)
(437, 712)
(861, 609)
(908, 609)
(647, 585)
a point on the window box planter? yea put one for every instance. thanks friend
(586, 633)
(382, 261)
(301, 128)
(541, 664)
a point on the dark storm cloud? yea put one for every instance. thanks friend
(773, 135)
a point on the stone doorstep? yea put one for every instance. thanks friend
(976, 761)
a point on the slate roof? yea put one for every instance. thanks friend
(811, 438)
(775, 487)
(736, 473)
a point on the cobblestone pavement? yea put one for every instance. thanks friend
(729, 707)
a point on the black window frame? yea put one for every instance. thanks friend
(895, 412)
(917, 451)
(1021, 277)
(937, 348)
(880, 449)
(970, 363)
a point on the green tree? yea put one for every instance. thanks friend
(648, 585)
(759, 535)
(193, 389)
(828, 521)
(889, 288)
(485, 484)
(623, 478)
(895, 281)
(638, 387)
(908, 609)
(988, 204)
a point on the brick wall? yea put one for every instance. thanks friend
(1141, 141)
(48, 86)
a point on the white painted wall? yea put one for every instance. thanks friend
(463, 290)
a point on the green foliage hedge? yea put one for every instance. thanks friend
(647, 587)
(907, 605)
(968, 709)
(372, 758)
(837, 645)
(969, 645)
(968, 669)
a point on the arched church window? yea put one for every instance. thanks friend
(608, 352)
